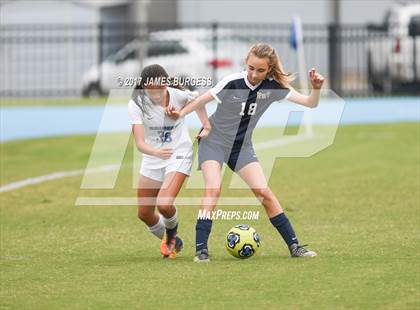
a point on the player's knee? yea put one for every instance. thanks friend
(164, 204)
(165, 209)
(213, 192)
(264, 194)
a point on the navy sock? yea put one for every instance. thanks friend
(202, 232)
(282, 224)
(171, 232)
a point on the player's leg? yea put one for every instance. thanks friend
(211, 155)
(165, 203)
(252, 174)
(212, 181)
(254, 177)
(147, 191)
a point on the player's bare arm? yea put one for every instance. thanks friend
(202, 115)
(312, 100)
(196, 104)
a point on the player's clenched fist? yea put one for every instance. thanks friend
(316, 79)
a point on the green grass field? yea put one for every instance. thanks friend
(356, 203)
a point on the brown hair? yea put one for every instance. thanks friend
(147, 76)
(275, 67)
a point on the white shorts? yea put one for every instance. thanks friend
(182, 165)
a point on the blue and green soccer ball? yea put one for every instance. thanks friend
(242, 241)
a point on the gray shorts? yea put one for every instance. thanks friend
(208, 149)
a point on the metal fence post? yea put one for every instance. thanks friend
(214, 27)
(100, 43)
(334, 49)
(414, 37)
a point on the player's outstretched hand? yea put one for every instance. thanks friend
(203, 133)
(164, 153)
(316, 79)
(172, 112)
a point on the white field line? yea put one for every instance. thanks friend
(71, 173)
(54, 176)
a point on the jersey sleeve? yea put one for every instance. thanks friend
(135, 113)
(220, 90)
(191, 95)
(187, 96)
(180, 98)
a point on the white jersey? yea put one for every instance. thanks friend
(160, 131)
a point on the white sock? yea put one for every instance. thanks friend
(170, 223)
(159, 228)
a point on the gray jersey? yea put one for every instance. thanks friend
(241, 105)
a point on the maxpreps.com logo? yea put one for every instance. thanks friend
(220, 214)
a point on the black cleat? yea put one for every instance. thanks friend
(202, 256)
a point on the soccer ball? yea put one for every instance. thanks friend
(242, 241)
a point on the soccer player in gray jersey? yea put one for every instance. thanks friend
(243, 98)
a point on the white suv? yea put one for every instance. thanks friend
(183, 53)
(394, 51)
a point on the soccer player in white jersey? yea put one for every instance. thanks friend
(243, 98)
(167, 153)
